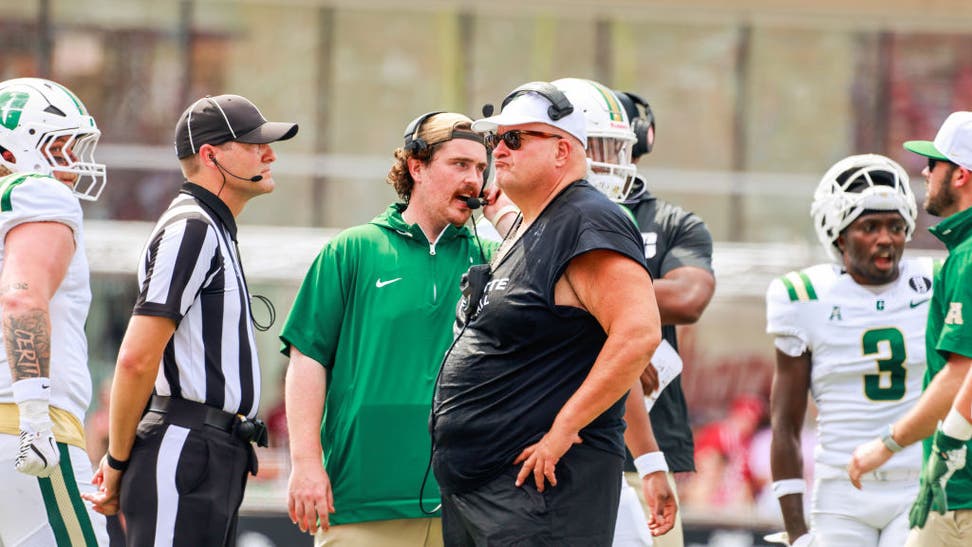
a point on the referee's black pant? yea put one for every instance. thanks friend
(184, 485)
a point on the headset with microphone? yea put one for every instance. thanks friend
(255, 178)
(560, 105)
(413, 143)
(416, 145)
(480, 200)
(643, 124)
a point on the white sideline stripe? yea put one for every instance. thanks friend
(165, 483)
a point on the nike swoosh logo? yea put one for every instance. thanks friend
(45, 386)
(381, 283)
(914, 304)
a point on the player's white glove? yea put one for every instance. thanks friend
(38, 453)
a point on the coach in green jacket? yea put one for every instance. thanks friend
(368, 329)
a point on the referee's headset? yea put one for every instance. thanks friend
(560, 106)
(271, 310)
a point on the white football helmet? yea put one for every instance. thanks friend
(609, 136)
(34, 113)
(856, 184)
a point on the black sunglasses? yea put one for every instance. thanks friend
(932, 162)
(513, 138)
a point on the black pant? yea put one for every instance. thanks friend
(184, 485)
(580, 511)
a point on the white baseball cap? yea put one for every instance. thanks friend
(952, 143)
(532, 107)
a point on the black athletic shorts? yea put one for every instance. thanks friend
(580, 511)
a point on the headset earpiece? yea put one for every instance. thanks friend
(643, 145)
(646, 128)
(413, 143)
(643, 124)
(560, 106)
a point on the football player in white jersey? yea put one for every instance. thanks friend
(851, 332)
(47, 142)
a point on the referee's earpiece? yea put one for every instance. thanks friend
(413, 143)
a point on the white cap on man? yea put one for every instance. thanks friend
(532, 107)
(952, 143)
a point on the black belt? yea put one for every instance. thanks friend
(193, 415)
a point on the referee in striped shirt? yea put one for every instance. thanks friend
(179, 478)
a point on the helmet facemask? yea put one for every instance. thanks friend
(79, 160)
(609, 166)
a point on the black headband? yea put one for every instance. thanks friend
(468, 135)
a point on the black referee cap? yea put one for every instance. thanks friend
(223, 118)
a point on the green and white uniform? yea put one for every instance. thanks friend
(48, 511)
(867, 348)
(947, 332)
(376, 309)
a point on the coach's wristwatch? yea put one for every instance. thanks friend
(889, 442)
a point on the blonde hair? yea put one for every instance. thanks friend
(434, 131)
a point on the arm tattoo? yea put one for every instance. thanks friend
(27, 337)
(18, 286)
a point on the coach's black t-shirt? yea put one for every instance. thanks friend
(521, 357)
(673, 238)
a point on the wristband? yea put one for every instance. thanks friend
(889, 442)
(649, 463)
(35, 415)
(956, 426)
(117, 465)
(786, 487)
(503, 212)
(32, 389)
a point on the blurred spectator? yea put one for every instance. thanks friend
(96, 428)
(723, 477)
(276, 419)
(275, 459)
(96, 441)
(767, 507)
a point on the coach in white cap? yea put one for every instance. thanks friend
(942, 512)
(531, 394)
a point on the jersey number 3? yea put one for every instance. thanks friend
(888, 384)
